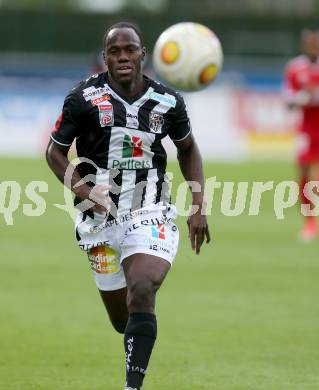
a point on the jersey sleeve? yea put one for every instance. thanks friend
(290, 81)
(293, 92)
(68, 126)
(180, 127)
(290, 86)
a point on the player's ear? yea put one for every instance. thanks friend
(143, 53)
(104, 56)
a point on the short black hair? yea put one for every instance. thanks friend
(123, 25)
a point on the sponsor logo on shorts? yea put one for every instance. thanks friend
(117, 221)
(158, 231)
(156, 223)
(156, 247)
(103, 260)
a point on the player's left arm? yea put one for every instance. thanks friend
(293, 93)
(190, 163)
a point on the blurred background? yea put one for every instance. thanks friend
(48, 46)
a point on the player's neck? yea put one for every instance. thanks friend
(130, 89)
(313, 59)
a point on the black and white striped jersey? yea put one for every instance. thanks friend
(121, 139)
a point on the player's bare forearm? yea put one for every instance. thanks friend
(57, 159)
(190, 162)
(191, 166)
(58, 162)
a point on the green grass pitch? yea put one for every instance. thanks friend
(242, 316)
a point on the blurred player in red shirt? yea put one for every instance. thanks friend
(302, 91)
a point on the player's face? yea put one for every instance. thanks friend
(310, 45)
(123, 55)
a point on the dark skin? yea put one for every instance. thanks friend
(123, 55)
(144, 273)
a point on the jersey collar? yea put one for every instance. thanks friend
(134, 99)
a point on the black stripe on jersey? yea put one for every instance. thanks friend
(163, 190)
(102, 147)
(86, 171)
(115, 192)
(78, 237)
(140, 189)
(97, 143)
(159, 159)
(119, 112)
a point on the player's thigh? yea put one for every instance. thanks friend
(308, 153)
(146, 270)
(144, 275)
(314, 172)
(116, 307)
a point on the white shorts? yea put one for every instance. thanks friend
(109, 243)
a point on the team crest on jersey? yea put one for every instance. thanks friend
(106, 114)
(156, 122)
(158, 231)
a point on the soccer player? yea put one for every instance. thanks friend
(119, 118)
(302, 91)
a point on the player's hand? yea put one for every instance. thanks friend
(98, 195)
(302, 97)
(314, 94)
(311, 93)
(198, 230)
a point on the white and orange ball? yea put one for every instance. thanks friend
(188, 56)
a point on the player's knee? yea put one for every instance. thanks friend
(141, 296)
(119, 324)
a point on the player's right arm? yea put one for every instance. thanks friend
(66, 129)
(294, 94)
(190, 162)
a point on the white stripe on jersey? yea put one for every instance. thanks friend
(126, 196)
(151, 188)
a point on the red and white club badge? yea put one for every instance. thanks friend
(106, 114)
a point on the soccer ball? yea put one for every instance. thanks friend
(188, 56)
